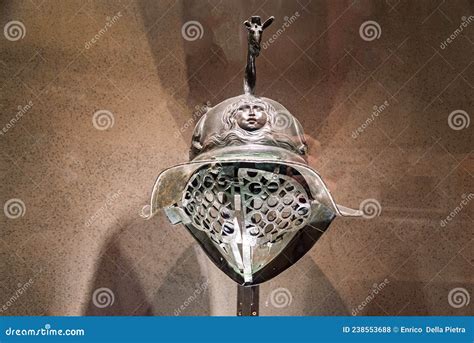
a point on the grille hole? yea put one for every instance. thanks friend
(272, 201)
(269, 228)
(223, 181)
(200, 210)
(272, 187)
(286, 213)
(303, 211)
(298, 221)
(225, 213)
(252, 173)
(213, 212)
(256, 218)
(198, 196)
(228, 228)
(208, 181)
(256, 203)
(271, 216)
(209, 196)
(255, 188)
(190, 208)
(254, 231)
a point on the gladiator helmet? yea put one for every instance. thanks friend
(247, 195)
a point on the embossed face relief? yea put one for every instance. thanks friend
(251, 117)
(248, 120)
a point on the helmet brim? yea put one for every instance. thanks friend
(171, 182)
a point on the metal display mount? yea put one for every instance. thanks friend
(248, 300)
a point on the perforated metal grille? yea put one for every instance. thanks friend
(208, 201)
(271, 204)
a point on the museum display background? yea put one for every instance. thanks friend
(84, 188)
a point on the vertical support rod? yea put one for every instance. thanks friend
(247, 300)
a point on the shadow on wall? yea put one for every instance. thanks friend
(116, 293)
(185, 291)
(178, 59)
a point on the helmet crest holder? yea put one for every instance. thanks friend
(247, 195)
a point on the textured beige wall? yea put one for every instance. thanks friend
(83, 188)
